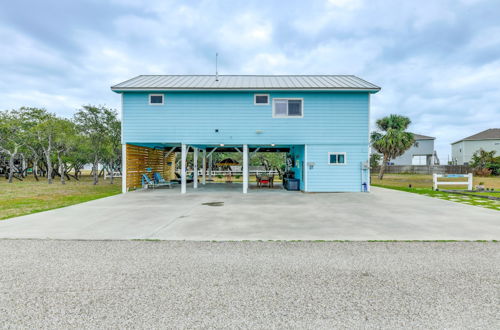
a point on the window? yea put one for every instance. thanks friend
(155, 99)
(261, 99)
(288, 108)
(337, 158)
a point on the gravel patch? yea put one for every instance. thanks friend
(142, 284)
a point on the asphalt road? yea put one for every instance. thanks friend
(140, 284)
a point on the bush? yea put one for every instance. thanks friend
(482, 172)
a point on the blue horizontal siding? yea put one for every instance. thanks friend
(192, 117)
(335, 178)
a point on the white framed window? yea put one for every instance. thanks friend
(156, 99)
(337, 158)
(261, 99)
(288, 108)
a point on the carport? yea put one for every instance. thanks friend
(141, 158)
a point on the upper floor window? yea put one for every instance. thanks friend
(288, 108)
(156, 99)
(261, 99)
(337, 158)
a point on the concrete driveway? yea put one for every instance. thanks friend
(260, 215)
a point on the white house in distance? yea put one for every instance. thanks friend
(421, 153)
(462, 150)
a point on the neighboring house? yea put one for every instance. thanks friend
(462, 150)
(421, 153)
(321, 121)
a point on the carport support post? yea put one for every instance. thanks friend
(183, 168)
(195, 167)
(204, 167)
(245, 168)
(124, 168)
(210, 167)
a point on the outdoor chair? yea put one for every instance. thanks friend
(263, 180)
(147, 182)
(160, 181)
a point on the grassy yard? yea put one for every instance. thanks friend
(422, 184)
(30, 196)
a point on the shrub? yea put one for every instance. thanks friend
(482, 172)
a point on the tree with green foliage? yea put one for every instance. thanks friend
(485, 163)
(375, 160)
(33, 118)
(92, 122)
(64, 141)
(394, 140)
(112, 153)
(12, 138)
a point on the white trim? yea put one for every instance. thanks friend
(245, 168)
(337, 153)
(204, 168)
(306, 168)
(183, 168)
(255, 99)
(169, 152)
(195, 167)
(368, 170)
(288, 99)
(124, 168)
(162, 99)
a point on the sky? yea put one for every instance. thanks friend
(437, 61)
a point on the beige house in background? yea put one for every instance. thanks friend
(462, 150)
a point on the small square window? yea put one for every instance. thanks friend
(155, 99)
(261, 99)
(337, 158)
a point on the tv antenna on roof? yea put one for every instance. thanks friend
(216, 71)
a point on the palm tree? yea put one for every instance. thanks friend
(394, 142)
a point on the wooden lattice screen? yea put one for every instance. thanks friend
(141, 158)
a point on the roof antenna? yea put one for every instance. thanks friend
(216, 72)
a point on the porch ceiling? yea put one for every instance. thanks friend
(225, 148)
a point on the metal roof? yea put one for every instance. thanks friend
(423, 137)
(489, 134)
(245, 82)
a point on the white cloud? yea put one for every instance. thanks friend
(437, 62)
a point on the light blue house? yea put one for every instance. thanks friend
(322, 121)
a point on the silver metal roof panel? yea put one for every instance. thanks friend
(245, 82)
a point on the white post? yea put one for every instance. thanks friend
(469, 182)
(245, 168)
(204, 168)
(195, 168)
(434, 181)
(210, 167)
(124, 168)
(183, 168)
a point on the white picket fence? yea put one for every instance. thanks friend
(437, 183)
(116, 174)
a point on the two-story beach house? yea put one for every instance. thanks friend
(321, 121)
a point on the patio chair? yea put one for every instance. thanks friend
(160, 181)
(147, 182)
(264, 180)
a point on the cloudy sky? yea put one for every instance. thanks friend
(437, 61)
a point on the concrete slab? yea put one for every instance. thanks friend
(260, 215)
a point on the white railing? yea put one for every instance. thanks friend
(116, 174)
(437, 183)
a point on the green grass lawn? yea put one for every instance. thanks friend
(422, 184)
(29, 196)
